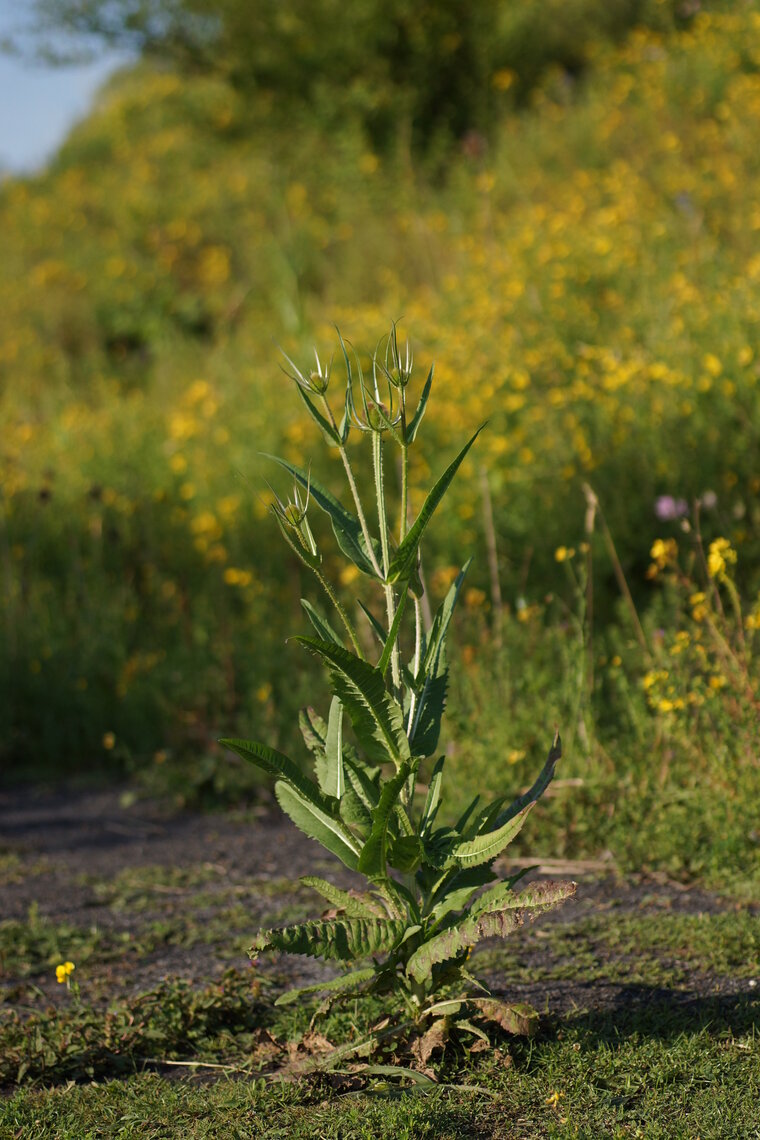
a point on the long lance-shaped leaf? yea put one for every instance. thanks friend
(427, 722)
(355, 906)
(517, 1018)
(339, 939)
(347, 984)
(374, 623)
(318, 824)
(433, 797)
(324, 630)
(495, 815)
(502, 896)
(484, 848)
(392, 637)
(405, 559)
(334, 779)
(280, 767)
(437, 637)
(416, 420)
(313, 729)
(497, 923)
(373, 859)
(376, 717)
(346, 527)
(535, 792)
(331, 434)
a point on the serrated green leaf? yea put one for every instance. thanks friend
(318, 824)
(406, 853)
(374, 623)
(334, 780)
(353, 810)
(432, 662)
(346, 527)
(535, 792)
(405, 558)
(363, 784)
(346, 984)
(433, 797)
(313, 729)
(483, 848)
(376, 717)
(373, 857)
(414, 424)
(355, 906)
(450, 943)
(427, 721)
(280, 767)
(392, 637)
(336, 939)
(322, 626)
(517, 1018)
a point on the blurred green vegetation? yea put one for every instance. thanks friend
(584, 271)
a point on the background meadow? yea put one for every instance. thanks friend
(574, 242)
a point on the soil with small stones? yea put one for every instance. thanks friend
(65, 847)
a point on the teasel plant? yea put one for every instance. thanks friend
(431, 892)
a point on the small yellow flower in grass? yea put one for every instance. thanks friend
(564, 553)
(109, 740)
(721, 555)
(63, 972)
(554, 1099)
(698, 607)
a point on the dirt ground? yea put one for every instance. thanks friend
(63, 848)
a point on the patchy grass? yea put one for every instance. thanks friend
(658, 1038)
(653, 1071)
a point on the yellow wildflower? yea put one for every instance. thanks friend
(63, 972)
(721, 555)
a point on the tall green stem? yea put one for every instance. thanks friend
(341, 610)
(354, 493)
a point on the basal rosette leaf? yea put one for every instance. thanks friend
(338, 939)
(347, 984)
(353, 905)
(517, 1018)
(511, 914)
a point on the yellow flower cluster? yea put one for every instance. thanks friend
(64, 972)
(720, 556)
